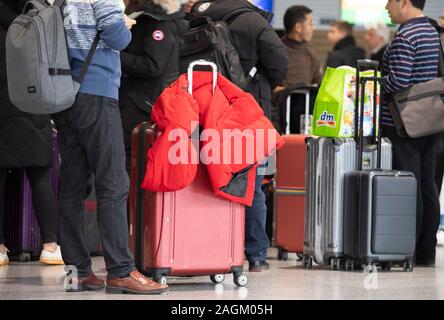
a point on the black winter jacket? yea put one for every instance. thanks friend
(345, 53)
(25, 139)
(150, 63)
(256, 42)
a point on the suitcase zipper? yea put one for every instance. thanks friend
(54, 54)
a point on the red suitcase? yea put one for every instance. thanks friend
(289, 188)
(190, 232)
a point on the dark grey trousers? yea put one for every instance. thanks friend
(91, 140)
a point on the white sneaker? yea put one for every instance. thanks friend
(4, 260)
(51, 258)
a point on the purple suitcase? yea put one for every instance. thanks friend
(22, 231)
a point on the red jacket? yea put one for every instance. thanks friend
(231, 166)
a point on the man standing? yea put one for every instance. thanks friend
(412, 57)
(345, 52)
(304, 67)
(377, 38)
(91, 140)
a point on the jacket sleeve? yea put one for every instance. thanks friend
(111, 24)
(158, 45)
(272, 54)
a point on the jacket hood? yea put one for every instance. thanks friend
(348, 41)
(217, 9)
(164, 9)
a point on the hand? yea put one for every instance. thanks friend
(278, 89)
(129, 22)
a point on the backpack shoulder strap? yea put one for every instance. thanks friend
(92, 50)
(441, 56)
(228, 18)
(89, 58)
(59, 3)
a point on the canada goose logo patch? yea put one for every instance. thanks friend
(158, 35)
(203, 7)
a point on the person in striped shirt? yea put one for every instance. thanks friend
(411, 58)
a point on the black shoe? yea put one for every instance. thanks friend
(259, 266)
(425, 263)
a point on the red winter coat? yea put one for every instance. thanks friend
(231, 164)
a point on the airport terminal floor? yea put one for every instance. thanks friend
(286, 280)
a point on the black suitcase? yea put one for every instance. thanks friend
(379, 206)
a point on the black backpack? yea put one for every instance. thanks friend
(212, 41)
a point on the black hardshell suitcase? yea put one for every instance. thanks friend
(379, 207)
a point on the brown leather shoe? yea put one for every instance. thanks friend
(90, 282)
(136, 283)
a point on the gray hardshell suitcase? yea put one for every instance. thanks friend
(379, 211)
(379, 218)
(328, 160)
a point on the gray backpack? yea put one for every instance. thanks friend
(38, 69)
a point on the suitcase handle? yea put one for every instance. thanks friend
(302, 90)
(201, 63)
(360, 98)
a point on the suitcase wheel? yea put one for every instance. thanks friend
(307, 262)
(160, 279)
(349, 265)
(240, 281)
(336, 263)
(217, 278)
(407, 266)
(282, 254)
(386, 266)
(24, 257)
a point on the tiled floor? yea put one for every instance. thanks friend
(285, 280)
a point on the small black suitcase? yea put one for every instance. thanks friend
(379, 206)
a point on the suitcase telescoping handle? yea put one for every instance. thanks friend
(302, 90)
(201, 63)
(359, 109)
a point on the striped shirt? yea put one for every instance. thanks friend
(411, 57)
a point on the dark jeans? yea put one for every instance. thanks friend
(417, 156)
(42, 202)
(256, 239)
(439, 160)
(91, 140)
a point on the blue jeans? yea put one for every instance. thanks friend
(256, 239)
(90, 139)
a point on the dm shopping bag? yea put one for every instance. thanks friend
(334, 113)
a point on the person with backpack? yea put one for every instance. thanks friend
(258, 46)
(25, 143)
(150, 63)
(91, 140)
(411, 58)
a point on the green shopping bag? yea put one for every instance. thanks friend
(334, 112)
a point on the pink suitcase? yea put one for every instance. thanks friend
(190, 232)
